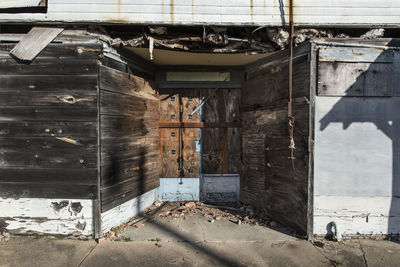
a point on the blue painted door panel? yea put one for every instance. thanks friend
(177, 189)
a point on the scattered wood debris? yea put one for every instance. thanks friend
(234, 212)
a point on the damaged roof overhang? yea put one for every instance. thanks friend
(171, 57)
(209, 39)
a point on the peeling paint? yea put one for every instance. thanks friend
(57, 206)
(81, 225)
(76, 207)
(46, 216)
(171, 10)
(3, 225)
(356, 215)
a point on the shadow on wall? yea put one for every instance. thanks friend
(119, 177)
(142, 179)
(371, 99)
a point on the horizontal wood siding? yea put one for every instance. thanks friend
(48, 123)
(129, 137)
(226, 12)
(268, 180)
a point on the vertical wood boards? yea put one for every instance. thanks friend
(176, 105)
(129, 137)
(222, 140)
(268, 180)
(48, 124)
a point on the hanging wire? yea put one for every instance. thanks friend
(291, 119)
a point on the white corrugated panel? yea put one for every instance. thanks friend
(18, 3)
(219, 12)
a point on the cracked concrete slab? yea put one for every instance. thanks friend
(346, 253)
(381, 253)
(362, 252)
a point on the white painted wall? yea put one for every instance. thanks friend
(61, 217)
(47, 216)
(226, 12)
(357, 215)
(356, 165)
(124, 212)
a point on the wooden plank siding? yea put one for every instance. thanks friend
(221, 12)
(129, 137)
(268, 180)
(48, 123)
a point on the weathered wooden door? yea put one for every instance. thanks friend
(215, 174)
(180, 134)
(221, 145)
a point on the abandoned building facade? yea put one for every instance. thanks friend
(107, 106)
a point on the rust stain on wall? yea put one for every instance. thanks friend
(265, 7)
(171, 10)
(193, 10)
(117, 18)
(252, 10)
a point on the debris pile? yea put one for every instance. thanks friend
(234, 212)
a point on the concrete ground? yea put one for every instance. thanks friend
(195, 241)
(199, 229)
